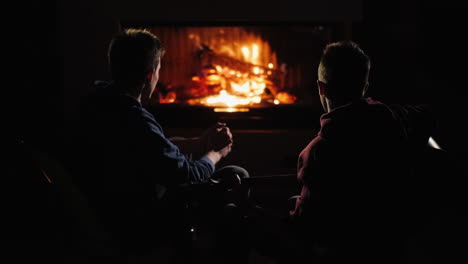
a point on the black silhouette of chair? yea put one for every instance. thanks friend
(62, 227)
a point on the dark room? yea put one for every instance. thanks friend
(229, 132)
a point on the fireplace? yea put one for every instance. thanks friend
(243, 72)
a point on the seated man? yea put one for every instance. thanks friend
(355, 175)
(131, 173)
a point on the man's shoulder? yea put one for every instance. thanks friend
(316, 145)
(150, 119)
(96, 99)
(410, 110)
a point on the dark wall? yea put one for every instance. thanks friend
(445, 58)
(418, 56)
(32, 72)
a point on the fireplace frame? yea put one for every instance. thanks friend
(274, 117)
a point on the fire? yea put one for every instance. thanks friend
(238, 88)
(237, 76)
(225, 99)
(251, 55)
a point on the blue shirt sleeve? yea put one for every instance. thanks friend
(173, 166)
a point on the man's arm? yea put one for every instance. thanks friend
(191, 146)
(215, 138)
(174, 165)
(214, 156)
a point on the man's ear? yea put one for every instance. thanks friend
(321, 87)
(149, 76)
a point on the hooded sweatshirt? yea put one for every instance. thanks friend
(354, 173)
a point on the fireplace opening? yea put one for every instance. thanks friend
(238, 71)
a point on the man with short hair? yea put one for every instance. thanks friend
(356, 173)
(130, 172)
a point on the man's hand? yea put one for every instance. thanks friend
(217, 142)
(217, 138)
(226, 150)
(216, 156)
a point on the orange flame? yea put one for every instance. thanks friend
(245, 82)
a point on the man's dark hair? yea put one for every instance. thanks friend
(132, 54)
(345, 69)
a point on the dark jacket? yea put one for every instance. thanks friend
(128, 169)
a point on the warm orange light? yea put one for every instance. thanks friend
(285, 98)
(251, 55)
(240, 88)
(256, 99)
(246, 53)
(240, 77)
(231, 109)
(46, 176)
(225, 99)
(255, 54)
(213, 78)
(256, 70)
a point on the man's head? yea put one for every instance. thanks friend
(134, 57)
(343, 72)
